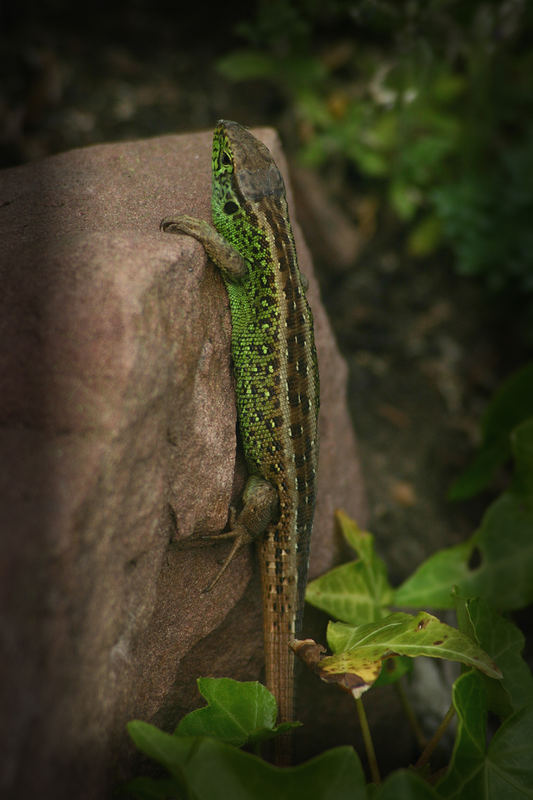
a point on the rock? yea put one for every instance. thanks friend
(118, 438)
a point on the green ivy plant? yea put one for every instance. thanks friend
(203, 759)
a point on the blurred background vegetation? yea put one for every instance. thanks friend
(409, 130)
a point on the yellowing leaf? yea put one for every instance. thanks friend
(350, 671)
(408, 635)
(359, 651)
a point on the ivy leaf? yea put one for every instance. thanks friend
(214, 770)
(236, 713)
(393, 669)
(466, 766)
(405, 785)
(503, 542)
(504, 642)
(356, 592)
(504, 768)
(359, 651)
(481, 470)
(408, 635)
(504, 545)
(512, 404)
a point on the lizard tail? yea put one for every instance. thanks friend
(279, 667)
(280, 602)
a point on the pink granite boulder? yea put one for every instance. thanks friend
(118, 437)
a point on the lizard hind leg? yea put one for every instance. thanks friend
(260, 504)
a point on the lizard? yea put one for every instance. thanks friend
(276, 382)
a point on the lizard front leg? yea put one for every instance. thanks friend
(222, 253)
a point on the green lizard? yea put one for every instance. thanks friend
(276, 379)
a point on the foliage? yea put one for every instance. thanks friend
(430, 101)
(358, 590)
(252, 718)
(402, 634)
(500, 769)
(211, 769)
(493, 695)
(512, 404)
(504, 541)
(504, 642)
(504, 545)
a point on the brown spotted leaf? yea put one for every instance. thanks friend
(359, 651)
(408, 635)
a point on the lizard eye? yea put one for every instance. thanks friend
(230, 207)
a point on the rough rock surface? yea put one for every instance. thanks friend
(118, 437)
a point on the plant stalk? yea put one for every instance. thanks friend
(367, 738)
(435, 739)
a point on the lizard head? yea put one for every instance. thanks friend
(244, 173)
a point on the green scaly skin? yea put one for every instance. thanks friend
(276, 381)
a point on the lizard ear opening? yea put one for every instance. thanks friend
(230, 207)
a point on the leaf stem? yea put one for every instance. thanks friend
(410, 714)
(367, 738)
(435, 739)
